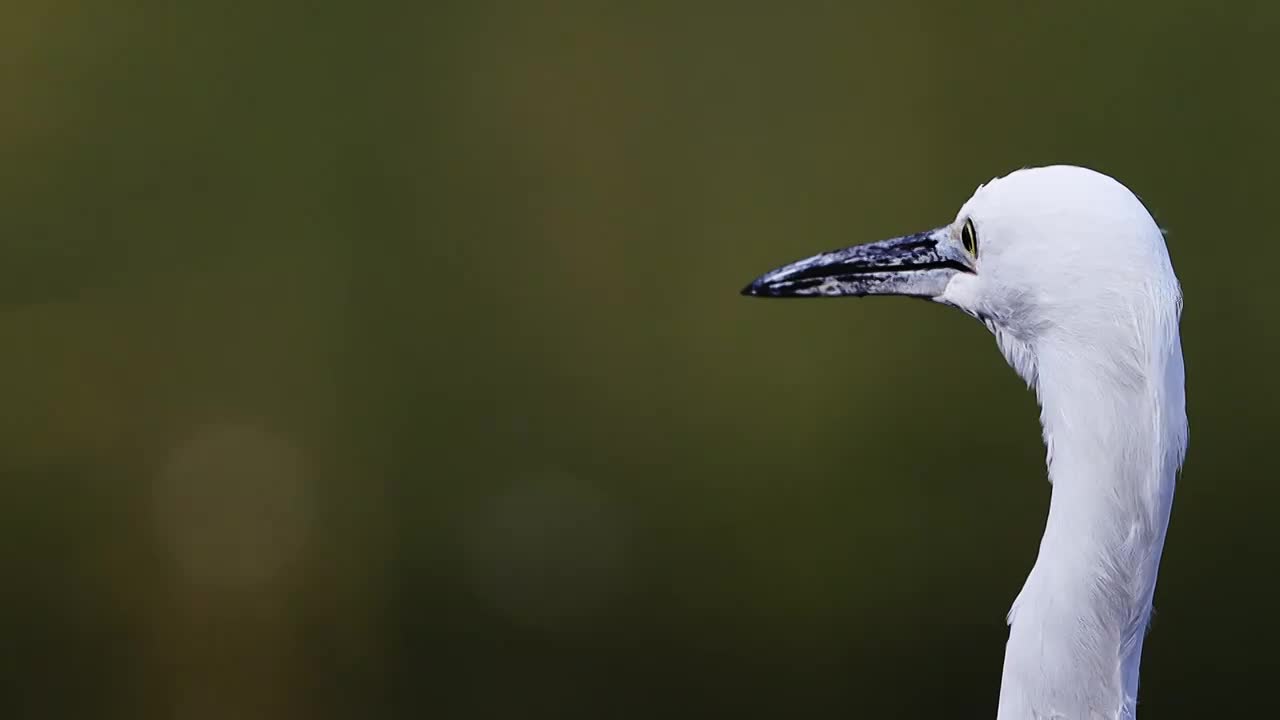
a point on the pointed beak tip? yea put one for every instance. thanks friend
(757, 288)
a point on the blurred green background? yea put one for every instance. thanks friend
(388, 360)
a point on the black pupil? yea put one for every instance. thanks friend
(968, 239)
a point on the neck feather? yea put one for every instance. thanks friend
(1114, 429)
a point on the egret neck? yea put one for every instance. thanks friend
(1076, 628)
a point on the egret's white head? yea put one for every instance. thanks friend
(1051, 256)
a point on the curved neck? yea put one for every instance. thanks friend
(1076, 627)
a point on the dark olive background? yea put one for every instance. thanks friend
(365, 360)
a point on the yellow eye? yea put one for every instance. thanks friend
(969, 237)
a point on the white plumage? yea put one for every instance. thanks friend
(1069, 271)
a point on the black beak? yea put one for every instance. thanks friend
(918, 265)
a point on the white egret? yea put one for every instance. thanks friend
(1069, 271)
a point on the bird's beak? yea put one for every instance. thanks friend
(916, 265)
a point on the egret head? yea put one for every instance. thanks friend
(1051, 251)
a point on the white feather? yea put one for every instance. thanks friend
(1074, 280)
